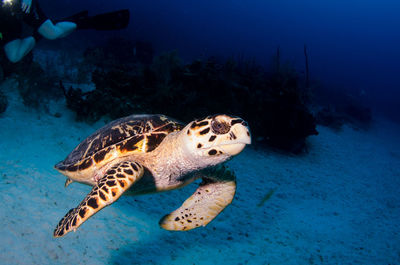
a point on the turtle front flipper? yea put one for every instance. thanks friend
(108, 189)
(214, 193)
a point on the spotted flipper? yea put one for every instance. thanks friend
(211, 197)
(115, 182)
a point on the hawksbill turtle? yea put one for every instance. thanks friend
(154, 153)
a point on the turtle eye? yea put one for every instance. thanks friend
(220, 127)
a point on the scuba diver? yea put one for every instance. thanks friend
(15, 13)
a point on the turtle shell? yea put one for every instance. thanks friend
(134, 134)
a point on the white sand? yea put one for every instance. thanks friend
(338, 204)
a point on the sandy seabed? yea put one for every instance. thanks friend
(337, 204)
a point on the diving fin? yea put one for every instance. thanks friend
(107, 21)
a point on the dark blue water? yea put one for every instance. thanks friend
(353, 45)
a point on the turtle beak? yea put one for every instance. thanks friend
(243, 138)
(233, 149)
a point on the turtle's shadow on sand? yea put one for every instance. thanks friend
(216, 239)
(166, 246)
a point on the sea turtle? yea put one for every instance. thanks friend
(153, 153)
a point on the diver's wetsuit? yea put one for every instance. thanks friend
(12, 17)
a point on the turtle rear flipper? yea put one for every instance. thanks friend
(211, 197)
(115, 182)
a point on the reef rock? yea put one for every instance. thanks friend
(3, 102)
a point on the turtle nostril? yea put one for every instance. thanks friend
(220, 127)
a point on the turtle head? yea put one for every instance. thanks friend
(216, 138)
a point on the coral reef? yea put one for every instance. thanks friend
(125, 56)
(1, 73)
(35, 86)
(273, 103)
(328, 117)
(337, 107)
(130, 79)
(3, 102)
(358, 114)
